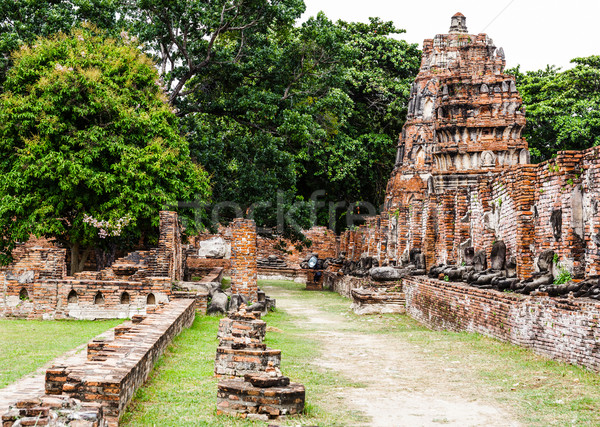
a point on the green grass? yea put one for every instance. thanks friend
(183, 392)
(535, 391)
(26, 345)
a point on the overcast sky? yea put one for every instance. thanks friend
(533, 33)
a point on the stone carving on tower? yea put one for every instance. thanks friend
(465, 116)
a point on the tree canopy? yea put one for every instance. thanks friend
(272, 110)
(23, 21)
(317, 107)
(563, 107)
(86, 131)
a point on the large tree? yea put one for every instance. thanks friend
(86, 131)
(317, 107)
(563, 107)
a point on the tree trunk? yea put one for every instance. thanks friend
(105, 258)
(77, 261)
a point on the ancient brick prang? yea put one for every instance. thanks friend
(465, 116)
(462, 180)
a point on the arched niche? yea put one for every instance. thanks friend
(98, 298)
(151, 299)
(125, 298)
(73, 298)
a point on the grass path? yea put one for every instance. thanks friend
(374, 370)
(26, 345)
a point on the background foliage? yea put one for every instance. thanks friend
(273, 109)
(563, 107)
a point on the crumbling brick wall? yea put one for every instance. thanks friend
(561, 329)
(36, 284)
(324, 243)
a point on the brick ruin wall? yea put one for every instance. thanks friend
(324, 243)
(515, 206)
(462, 176)
(36, 284)
(115, 368)
(562, 329)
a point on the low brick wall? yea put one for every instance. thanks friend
(297, 275)
(83, 298)
(240, 398)
(367, 301)
(562, 329)
(116, 368)
(343, 285)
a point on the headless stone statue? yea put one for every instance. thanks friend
(538, 279)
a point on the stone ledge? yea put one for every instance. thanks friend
(116, 368)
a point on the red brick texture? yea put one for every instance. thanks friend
(324, 245)
(114, 369)
(35, 285)
(243, 258)
(562, 329)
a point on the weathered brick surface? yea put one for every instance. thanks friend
(237, 362)
(116, 368)
(241, 349)
(36, 285)
(54, 411)
(562, 329)
(237, 397)
(243, 258)
(462, 176)
(324, 245)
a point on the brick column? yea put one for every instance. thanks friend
(243, 258)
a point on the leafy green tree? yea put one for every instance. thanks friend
(193, 38)
(86, 131)
(22, 21)
(318, 107)
(563, 108)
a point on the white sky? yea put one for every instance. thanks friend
(533, 33)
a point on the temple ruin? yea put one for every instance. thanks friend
(471, 238)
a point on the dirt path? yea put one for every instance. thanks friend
(404, 385)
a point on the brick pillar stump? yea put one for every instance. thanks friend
(243, 258)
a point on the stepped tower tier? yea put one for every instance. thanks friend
(465, 116)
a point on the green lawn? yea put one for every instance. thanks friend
(182, 390)
(26, 345)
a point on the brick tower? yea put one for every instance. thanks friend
(465, 117)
